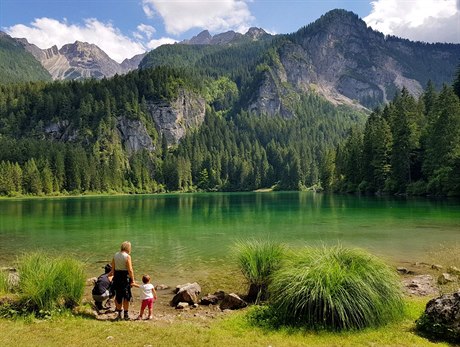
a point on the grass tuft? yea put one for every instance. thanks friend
(48, 283)
(4, 284)
(257, 261)
(335, 288)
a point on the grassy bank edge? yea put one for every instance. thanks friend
(232, 329)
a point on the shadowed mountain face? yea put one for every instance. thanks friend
(79, 60)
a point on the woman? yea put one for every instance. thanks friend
(123, 278)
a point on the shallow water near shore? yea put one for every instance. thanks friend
(186, 237)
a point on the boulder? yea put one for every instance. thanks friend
(441, 319)
(220, 295)
(445, 278)
(179, 287)
(232, 302)
(188, 294)
(209, 299)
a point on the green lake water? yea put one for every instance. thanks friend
(187, 236)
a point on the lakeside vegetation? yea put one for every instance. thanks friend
(248, 327)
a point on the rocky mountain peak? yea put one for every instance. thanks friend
(203, 38)
(255, 33)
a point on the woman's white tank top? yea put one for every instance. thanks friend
(120, 260)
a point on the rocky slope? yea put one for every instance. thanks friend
(348, 62)
(79, 60)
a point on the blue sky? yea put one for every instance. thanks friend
(124, 28)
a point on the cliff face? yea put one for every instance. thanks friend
(171, 119)
(347, 62)
(174, 119)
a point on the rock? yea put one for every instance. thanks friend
(420, 285)
(161, 287)
(188, 293)
(402, 270)
(134, 135)
(179, 287)
(182, 305)
(232, 302)
(441, 319)
(174, 118)
(109, 338)
(91, 281)
(220, 295)
(436, 267)
(445, 278)
(453, 270)
(209, 299)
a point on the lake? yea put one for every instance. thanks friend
(184, 237)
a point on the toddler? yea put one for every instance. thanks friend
(148, 295)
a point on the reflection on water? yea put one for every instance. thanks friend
(184, 234)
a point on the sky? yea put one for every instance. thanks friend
(124, 28)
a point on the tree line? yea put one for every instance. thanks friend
(409, 146)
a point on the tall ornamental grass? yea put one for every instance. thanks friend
(47, 283)
(335, 288)
(257, 261)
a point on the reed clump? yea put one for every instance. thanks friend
(258, 260)
(47, 283)
(335, 288)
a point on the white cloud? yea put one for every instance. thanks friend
(427, 20)
(152, 44)
(146, 30)
(46, 32)
(215, 15)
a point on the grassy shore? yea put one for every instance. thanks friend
(231, 329)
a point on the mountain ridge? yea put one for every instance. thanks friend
(79, 60)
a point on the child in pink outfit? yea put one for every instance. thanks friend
(148, 295)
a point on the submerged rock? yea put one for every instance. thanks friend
(445, 278)
(453, 270)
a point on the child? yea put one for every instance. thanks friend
(148, 295)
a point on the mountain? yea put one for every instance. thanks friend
(337, 56)
(228, 37)
(132, 63)
(79, 60)
(18, 65)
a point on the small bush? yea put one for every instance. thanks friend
(335, 288)
(48, 283)
(257, 261)
(417, 188)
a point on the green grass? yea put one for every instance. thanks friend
(257, 261)
(47, 283)
(335, 288)
(232, 330)
(4, 285)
